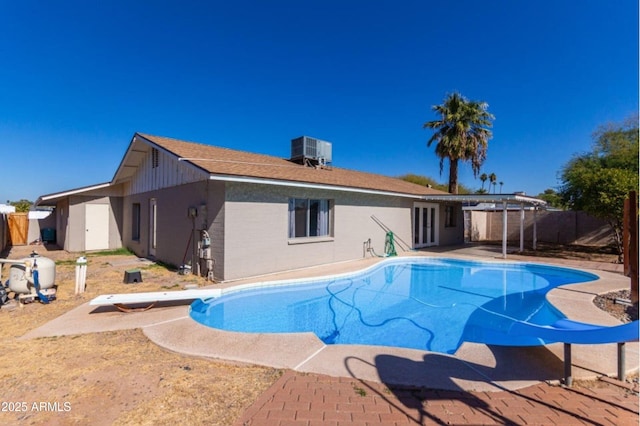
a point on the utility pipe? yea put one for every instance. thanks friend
(14, 262)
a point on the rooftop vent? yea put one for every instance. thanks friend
(311, 151)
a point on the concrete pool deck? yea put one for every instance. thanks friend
(475, 367)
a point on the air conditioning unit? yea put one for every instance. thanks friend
(310, 149)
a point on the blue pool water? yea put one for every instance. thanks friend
(421, 303)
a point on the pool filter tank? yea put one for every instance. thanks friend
(23, 272)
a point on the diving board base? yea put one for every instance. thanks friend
(124, 308)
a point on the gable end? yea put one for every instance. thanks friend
(147, 167)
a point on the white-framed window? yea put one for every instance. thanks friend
(309, 218)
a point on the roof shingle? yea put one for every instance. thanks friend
(225, 161)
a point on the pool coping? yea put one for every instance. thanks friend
(474, 367)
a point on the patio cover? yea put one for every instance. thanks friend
(505, 200)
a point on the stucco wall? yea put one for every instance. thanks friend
(256, 228)
(62, 223)
(36, 226)
(76, 225)
(454, 234)
(75, 234)
(176, 238)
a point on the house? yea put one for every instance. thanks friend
(231, 214)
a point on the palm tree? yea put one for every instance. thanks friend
(492, 180)
(501, 183)
(462, 133)
(483, 178)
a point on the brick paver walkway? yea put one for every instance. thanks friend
(310, 399)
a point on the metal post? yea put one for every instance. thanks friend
(621, 361)
(535, 226)
(521, 228)
(568, 380)
(504, 229)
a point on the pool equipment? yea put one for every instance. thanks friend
(205, 260)
(32, 277)
(389, 246)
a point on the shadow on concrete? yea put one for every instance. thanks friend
(446, 372)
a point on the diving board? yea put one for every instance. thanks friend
(123, 301)
(572, 332)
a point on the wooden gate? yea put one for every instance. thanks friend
(18, 228)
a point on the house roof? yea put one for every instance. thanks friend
(52, 199)
(229, 163)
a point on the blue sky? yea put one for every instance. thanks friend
(78, 78)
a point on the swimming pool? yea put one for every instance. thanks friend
(432, 304)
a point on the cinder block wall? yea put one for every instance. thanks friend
(561, 227)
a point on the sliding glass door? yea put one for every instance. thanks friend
(425, 225)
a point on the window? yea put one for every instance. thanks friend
(308, 218)
(449, 217)
(135, 222)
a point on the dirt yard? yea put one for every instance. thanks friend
(113, 377)
(576, 252)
